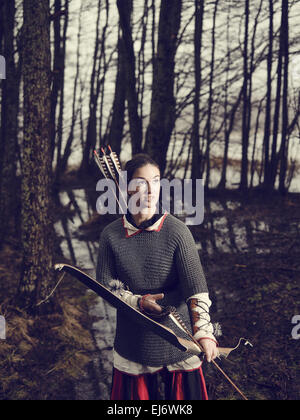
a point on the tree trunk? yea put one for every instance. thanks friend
(37, 277)
(93, 105)
(196, 153)
(118, 113)
(267, 130)
(135, 122)
(142, 61)
(9, 123)
(245, 133)
(222, 183)
(257, 126)
(274, 158)
(57, 71)
(285, 112)
(62, 91)
(251, 71)
(67, 150)
(162, 118)
(211, 95)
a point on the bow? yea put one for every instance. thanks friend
(187, 345)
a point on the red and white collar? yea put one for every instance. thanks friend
(132, 230)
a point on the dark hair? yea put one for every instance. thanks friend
(138, 161)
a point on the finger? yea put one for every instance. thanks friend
(208, 356)
(158, 296)
(214, 355)
(157, 307)
(207, 353)
(153, 307)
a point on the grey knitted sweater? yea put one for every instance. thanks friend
(164, 261)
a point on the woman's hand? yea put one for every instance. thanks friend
(148, 303)
(210, 349)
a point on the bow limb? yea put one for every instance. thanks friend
(225, 351)
(194, 345)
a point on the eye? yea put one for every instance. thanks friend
(156, 181)
(141, 183)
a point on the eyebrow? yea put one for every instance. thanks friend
(141, 177)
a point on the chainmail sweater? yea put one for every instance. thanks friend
(164, 261)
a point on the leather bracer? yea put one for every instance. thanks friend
(200, 318)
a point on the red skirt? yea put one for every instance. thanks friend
(176, 385)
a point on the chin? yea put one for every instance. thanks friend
(149, 206)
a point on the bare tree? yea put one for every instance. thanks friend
(67, 150)
(162, 117)
(95, 83)
(222, 183)
(285, 111)
(135, 122)
(273, 167)
(267, 130)
(211, 95)
(245, 129)
(118, 111)
(198, 32)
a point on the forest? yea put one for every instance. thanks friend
(210, 89)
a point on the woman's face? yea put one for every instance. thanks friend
(146, 183)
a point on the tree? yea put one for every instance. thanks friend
(196, 153)
(60, 39)
(75, 112)
(285, 113)
(37, 276)
(162, 116)
(267, 129)
(91, 134)
(245, 129)
(211, 95)
(118, 111)
(9, 122)
(135, 123)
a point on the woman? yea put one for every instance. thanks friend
(154, 256)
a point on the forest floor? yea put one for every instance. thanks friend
(256, 293)
(255, 290)
(42, 356)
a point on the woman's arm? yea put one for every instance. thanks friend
(203, 330)
(195, 292)
(199, 305)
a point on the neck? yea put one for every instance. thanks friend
(143, 216)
